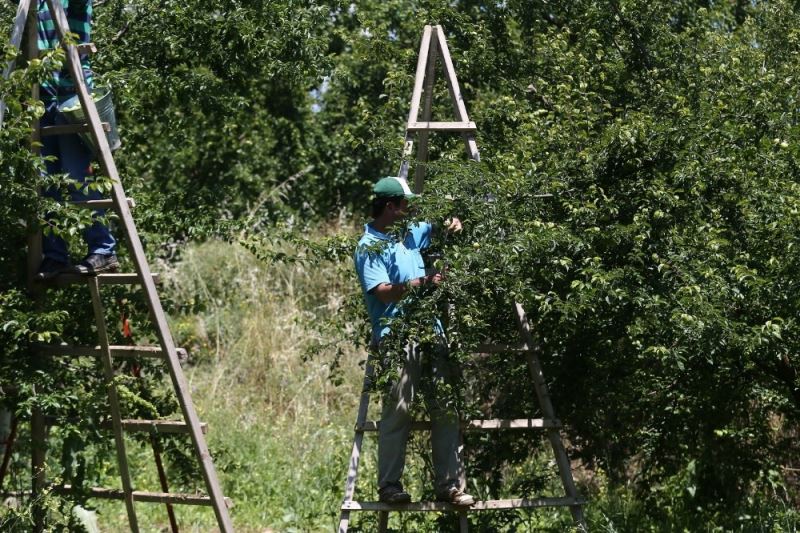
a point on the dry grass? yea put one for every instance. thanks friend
(278, 425)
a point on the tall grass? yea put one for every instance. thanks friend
(279, 427)
(253, 323)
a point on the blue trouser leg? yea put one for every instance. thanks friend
(74, 158)
(53, 246)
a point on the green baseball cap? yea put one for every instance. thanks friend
(391, 187)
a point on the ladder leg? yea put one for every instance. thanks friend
(383, 521)
(565, 471)
(413, 113)
(162, 478)
(113, 400)
(422, 149)
(459, 107)
(157, 314)
(34, 258)
(38, 474)
(553, 435)
(463, 522)
(38, 427)
(355, 455)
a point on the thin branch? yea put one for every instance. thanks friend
(121, 32)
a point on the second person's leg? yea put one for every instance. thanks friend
(77, 160)
(54, 248)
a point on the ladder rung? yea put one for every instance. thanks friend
(100, 204)
(441, 126)
(157, 426)
(488, 505)
(144, 426)
(85, 48)
(66, 129)
(153, 352)
(104, 279)
(499, 348)
(476, 425)
(144, 496)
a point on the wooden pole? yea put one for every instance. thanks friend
(38, 474)
(413, 113)
(162, 478)
(34, 237)
(548, 412)
(422, 149)
(113, 400)
(459, 107)
(16, 40)
(355, 454)
(8, 446)
(38, 426)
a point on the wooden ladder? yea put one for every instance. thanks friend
(433, 46)
(165, 350)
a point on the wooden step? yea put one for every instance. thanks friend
(136, 425)
(152, 352)
(100, 204)
(156, 426)
(475, 425)
(441, 126)
(87, 48)
(488, 505)
(104, 279)
(143, 496)
(499, 348)
(69, 129)
(84, 48)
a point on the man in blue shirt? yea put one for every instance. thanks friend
(388, 267)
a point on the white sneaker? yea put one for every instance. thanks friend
(456, 496)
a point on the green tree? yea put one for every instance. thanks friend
(659, 275)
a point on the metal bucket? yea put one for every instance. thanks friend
(74, 114)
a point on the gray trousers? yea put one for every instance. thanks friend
(396, 420)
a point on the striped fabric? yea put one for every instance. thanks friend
(79, 15)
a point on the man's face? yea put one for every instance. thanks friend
(399, 209)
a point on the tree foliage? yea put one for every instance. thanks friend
(659, 275)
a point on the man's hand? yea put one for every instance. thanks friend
(394, 292)
(452, 225)
(436, 279)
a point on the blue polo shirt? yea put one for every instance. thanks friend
(380, 258)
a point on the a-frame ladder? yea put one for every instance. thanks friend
(166, 350)
(433, 46)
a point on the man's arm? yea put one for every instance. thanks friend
(394, 292)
